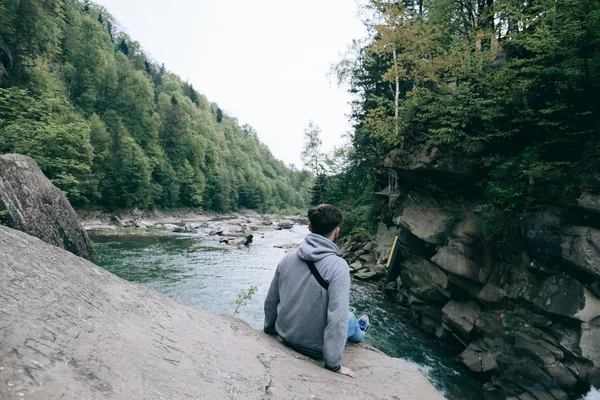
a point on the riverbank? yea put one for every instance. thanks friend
(196, 270)
(234, 229)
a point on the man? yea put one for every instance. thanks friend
(309, 309)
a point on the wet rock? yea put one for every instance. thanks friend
(30, 203)
(169, 227)
(563, 295)
(462, 260)
(461, 316)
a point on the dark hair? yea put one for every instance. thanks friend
(324, 218)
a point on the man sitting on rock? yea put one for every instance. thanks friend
(308, 301)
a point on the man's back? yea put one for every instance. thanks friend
(305, 315)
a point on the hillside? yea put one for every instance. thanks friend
(112, 128)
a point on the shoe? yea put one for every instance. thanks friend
(364, 322)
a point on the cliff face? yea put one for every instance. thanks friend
(30, 203)
(70, 329)
(526, 313)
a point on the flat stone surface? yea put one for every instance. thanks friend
(71, 330)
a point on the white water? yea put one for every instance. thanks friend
(593, 394)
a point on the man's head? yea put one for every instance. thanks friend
(324, 220)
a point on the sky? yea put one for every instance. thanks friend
(265, 62)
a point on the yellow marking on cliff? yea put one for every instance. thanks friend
(387, 265)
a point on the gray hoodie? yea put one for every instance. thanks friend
(307, 317)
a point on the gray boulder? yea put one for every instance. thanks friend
(72, 330)
(424, 217)
(563, 295)
(356, 266)
(463, 260)
(461, 316)
(287, 224)
(30, 203)
(426, 280)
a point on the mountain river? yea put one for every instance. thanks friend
(199, 272)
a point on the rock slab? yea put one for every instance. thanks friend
(69, 329)
(32, 204)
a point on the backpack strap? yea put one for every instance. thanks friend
(318, 277)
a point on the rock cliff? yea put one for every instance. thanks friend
(523, 314)
(69, 329)
(30, 203)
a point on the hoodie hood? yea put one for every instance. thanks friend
(316, 247)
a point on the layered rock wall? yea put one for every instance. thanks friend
(526, 316)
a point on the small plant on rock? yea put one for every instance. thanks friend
(243, 298)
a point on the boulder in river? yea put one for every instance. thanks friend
(30, 203)
(287, 224)
(73, 330)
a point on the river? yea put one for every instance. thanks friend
(200, 273)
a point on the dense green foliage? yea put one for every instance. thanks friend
(509, 86)
(112, 128)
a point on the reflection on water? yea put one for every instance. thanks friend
(201, 273)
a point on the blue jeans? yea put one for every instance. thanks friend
(354, 333)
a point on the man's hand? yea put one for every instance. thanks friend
(347, 371)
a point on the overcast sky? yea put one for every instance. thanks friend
(265, 62)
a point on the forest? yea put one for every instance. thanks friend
(509, 85)
(114, 129)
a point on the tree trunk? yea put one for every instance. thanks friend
(396, 95)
